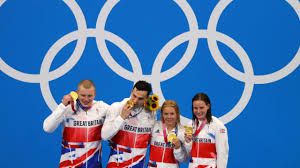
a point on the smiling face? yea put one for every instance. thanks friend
(169, 116)
(200, 109)
(86, 95)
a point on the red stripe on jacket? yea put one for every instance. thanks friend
(206, 150)
(156, 154)
(127, 139)
(75, 134)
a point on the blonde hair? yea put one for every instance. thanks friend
(173, 104)
(86, 83)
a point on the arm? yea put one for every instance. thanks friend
(57, 116)
(53, 120)
(180, 152)
(188, 143)
(222, 147)
(113, 121)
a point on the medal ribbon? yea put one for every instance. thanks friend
(79, 105)
(200, 128)
(165, 132)
(72, 105)
(130, 115)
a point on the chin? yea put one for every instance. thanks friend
(170, 123)
(201, 118)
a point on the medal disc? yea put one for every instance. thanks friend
(188, 130)
(130, 103)
(171, 137)
(74, 95)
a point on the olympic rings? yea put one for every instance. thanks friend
(157, 76)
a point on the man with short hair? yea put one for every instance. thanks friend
(128, 126)
(82, 123)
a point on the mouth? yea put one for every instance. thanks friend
(169, 120)
(200, 114)
(85, 103)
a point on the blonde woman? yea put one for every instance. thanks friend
(168, 146)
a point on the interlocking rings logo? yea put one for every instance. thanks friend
(157, 76)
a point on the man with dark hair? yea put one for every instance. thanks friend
(128, 126)
(82, 121)
(143, 86)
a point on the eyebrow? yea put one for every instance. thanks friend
(137, 96)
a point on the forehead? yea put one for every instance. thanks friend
(168, 109)
(83, 90)
(199, 103)
(139, 93)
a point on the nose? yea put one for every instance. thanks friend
(168, 116)
(196, 110)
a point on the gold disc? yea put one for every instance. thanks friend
(74, 95)
(130, 103)
(171, 137)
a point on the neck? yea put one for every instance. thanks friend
(202, 119)
(170, 126)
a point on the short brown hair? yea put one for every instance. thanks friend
(173, 104)
(86, 83)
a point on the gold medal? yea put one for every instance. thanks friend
(188, 130)
(171, 137)
(74, 95)
(130, 103)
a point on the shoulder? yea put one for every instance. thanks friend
(119, 104)
(157, 124)
(101, 104)
(152, 115)
(217, 124)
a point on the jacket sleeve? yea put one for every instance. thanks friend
(181, 153)
(222, 146)
(188, 146)
(113, 121)
(53, 120)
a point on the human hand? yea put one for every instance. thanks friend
(126, 111)
(188, 137)
(67, 100)
(176, 143)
